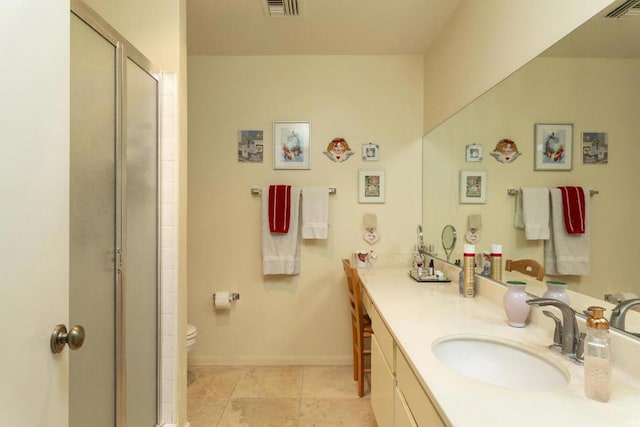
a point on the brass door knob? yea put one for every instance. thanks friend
(74, 338)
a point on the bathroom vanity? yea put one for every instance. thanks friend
(411, 386)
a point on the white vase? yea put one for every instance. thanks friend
(557, 290)
(515, 304)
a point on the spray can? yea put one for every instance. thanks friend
(496, 262)
(468, 267)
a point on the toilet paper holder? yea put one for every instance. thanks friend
(234, 296)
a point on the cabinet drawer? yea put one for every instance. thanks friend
(401, 414)
(383, 336)
(419, 404)
(382, 386)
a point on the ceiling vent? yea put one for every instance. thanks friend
(626, 9)
(283, 7)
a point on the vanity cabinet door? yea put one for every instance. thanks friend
(385, 340)
(382, 386)
(419, 403)
(401, 413)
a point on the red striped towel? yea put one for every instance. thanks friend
(573, 209)
(279, 208)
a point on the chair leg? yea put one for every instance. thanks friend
(360, 375)
(355, 355)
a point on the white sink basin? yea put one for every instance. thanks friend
(500, 362)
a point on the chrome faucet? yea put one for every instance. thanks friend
(570, 337)
(619, 313)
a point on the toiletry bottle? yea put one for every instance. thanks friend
(597, 367)
(496, 262)
(468, 266)
(417, 262)
(431, 271)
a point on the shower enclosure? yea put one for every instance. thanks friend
(113, 378)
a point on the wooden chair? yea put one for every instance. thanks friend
(530, 267)
(360, 325)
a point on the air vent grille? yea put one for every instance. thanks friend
(628, 8)
(282, 7)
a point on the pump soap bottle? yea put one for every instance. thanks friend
(597, 367)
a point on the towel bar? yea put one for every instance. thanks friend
(257, 191)
(513, 191)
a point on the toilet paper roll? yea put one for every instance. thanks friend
(221, 300)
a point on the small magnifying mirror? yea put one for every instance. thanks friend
(448, 239)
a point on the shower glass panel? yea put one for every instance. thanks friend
(141, 254)
(92, 226)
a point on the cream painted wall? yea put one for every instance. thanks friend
(486, 40)
(305, 318)
(594, 95)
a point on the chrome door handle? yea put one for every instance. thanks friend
(74, 338)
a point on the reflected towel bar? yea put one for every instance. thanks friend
(257, 191)
(513, 191)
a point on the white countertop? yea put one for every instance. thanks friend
(417, 314)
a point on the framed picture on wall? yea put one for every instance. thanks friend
(473, 187)
(370, 152)
(291, 145)
(553, 147)
(473, 153)
(371, 186)
(595, 148)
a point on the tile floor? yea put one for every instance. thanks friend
(276, 396)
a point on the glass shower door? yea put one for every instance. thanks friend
(92, 243)
(140, 245)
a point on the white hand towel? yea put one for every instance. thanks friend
(564, 253)
(535, 212)
(518, 219)
(281, 252)
(315, 212)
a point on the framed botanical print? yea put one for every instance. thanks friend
(473, 187)
(371, 186)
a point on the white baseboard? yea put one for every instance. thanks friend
(271, 361)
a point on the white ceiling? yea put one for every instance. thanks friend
(375, 27)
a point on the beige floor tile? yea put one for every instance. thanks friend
(214, 381)
(353, 412)
(270, 381)
(258, 412)
(330, 382)
(205, 411)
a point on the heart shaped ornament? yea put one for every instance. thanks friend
(371, 237)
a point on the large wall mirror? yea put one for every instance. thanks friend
(588, 80)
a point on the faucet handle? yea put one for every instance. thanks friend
(557, 332)
(580, 348)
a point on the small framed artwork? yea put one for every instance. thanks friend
(474, 153)
(553, 147)
(595, 150)
(370, 152)
(473, 187)
(250, 146)
(371, 186)
(291, 145)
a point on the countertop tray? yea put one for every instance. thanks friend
(432, 279)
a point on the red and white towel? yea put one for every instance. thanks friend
(279, 208)
(281, 251)
(573, 205)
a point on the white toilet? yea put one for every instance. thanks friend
(192, 333)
